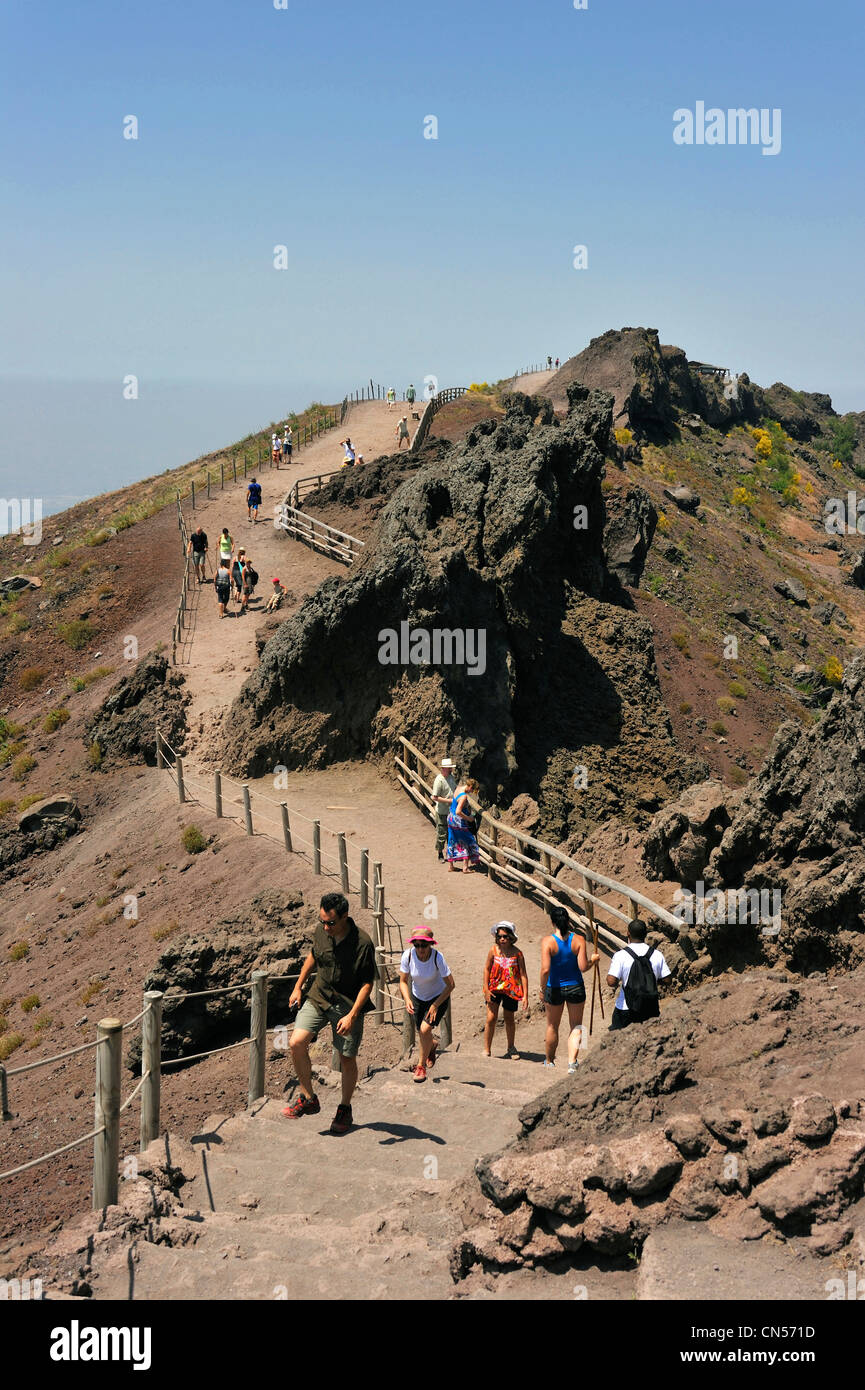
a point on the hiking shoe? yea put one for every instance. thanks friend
(572, 1067)
(302, 1106)
(420, 1073)
(548, 1064)
(342, 1120)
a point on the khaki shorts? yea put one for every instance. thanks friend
(312, 1019)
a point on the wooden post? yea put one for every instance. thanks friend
(106, 1145)
(408, 1033)
(160, 756)
(208, 483)
(222, 473)
(5, 1113)
(247, 809)
(234, 467)
(316, 846)
(181, 790)
(343, 861)
(151, 1055)
(257, 1035)
(193, 494)
(548, 868)
(286, 828)
(364, 878)
(217, 793)
(446, 1028)
(378, 941)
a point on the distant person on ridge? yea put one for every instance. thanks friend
(344, 958)
(549, 363)
(410, 395)
(557, 364)
(222, 583)
(287, 444)
(637, 968)
(253, 501)
(275, 449)
(391, 398)
(197, 548)
(402, 432)
(563, 959)
(443, 790)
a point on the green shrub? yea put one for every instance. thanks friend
(680, 639)
(90, 993)
(22, 767)
(31, 677)
(763, 672)
(59, 559)
(8, 751)
(76, 633)
(30, 1001)
(17, 623)
(737, 689)
(726, 705)
(94, 754)
(685, 708)
(161, 933)
(9, 1044)
(43, 1021)
(5, 807)
(718, 727)
(192, 840)
(54, 719)
(98, 537)
(9, 729)
(738, 776)
(19, 950)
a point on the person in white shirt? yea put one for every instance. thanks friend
(647, 977)
(425, 983)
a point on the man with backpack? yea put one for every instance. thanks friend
(253, 500)
(636, 969)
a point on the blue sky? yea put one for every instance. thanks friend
(304, 127)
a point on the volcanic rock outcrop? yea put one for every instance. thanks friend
(705, 1114)
(497, 543)
(125, 724)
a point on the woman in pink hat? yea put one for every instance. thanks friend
(425, 983)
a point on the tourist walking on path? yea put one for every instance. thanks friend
(248, 581)
(391, 398)
(253, 500)
(637, 968)
(197, 548)
(226, 547)
(344, 958)
(462, 846)
(237, 573)
(563, 959)
(410, 395)
(402, 432)
(549, 363)
(426, 985)
(557, 364)
(275, 449)
(287, 444)
(505, 983)
(222, 584)
(349, 455)
(443, 790)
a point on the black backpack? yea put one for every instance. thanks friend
(253, 575)
(641, 989)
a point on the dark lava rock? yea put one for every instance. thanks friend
(685, 498)
(59, 807)
(630, 527)
(125, 724)
(681, 838)
(481, 537)
(273, 935)
(798, 827)
(793, 590)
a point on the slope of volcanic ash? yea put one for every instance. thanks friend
(501, 540)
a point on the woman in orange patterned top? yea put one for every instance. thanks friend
(505, 983)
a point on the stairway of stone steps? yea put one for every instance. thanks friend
(281, 1208)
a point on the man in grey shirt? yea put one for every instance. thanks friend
(444, 787)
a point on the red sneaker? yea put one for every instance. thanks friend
(420, 1073)
(302, 1106)
(342, 1120)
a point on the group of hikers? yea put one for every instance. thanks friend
(410, 396)
(235, 574)
(280, 449)
(342, 957)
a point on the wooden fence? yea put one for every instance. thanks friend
(533, 867)
(180, 616)
(313, 482)
(433, 406)
(337, 545)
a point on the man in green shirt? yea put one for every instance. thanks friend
(344, 958)
(444, 787)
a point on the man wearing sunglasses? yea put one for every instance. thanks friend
(343, 957)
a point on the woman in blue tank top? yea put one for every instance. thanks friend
(563, 960)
